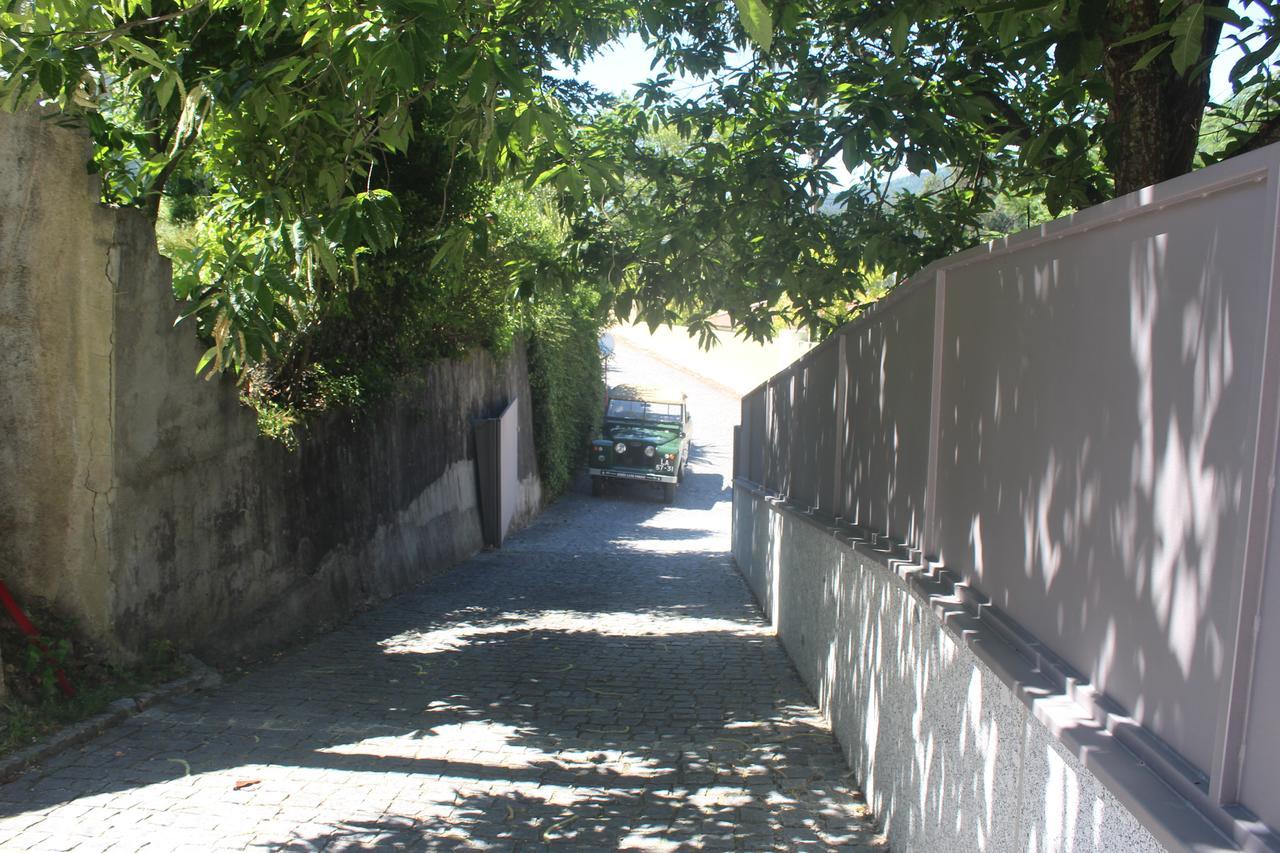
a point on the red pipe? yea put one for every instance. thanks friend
(25, 626)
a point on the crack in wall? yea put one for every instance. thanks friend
(99, 470)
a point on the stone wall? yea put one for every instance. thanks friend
(142, 500)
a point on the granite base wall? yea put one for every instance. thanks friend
(956, 743)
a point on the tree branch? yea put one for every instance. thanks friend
(104, 36)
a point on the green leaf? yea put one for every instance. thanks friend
(208, 356)
(1162, 27)
(1067, 54)
(327, 260)
(757, 20)
(849, 153)
(1188, 36)
(901, 30)
(164, 89)
(50, 77)
(1150, 56)
(1228, 16)
(458, 66)
(1253, 59)
(548, 175)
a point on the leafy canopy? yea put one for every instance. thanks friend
(289, 111)
(1044, 107)
(678, 205)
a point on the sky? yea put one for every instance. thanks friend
(618, 69)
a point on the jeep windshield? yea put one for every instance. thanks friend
(640, 410)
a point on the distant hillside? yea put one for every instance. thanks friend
(906, 183)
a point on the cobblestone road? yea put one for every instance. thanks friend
(603, 682)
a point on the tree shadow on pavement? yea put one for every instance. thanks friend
(583, 728)
(605, 681)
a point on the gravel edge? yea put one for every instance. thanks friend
(201, 677)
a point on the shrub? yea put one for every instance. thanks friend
(567, 382)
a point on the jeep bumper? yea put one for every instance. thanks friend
(632, 474)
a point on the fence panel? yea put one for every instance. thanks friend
(813, 456)
(802, 490)
(755, 405)
(1099, 406)
(777, 477)
(750, 444)
(1260, 782)
(889, 361)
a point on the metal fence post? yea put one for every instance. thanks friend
(930, 533)
(769, 466)
(1225, 776)
(841, 416)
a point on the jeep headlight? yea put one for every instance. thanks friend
(649, 451)
(619, 448)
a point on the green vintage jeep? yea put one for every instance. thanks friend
(646, 437)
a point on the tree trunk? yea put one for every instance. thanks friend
(1155, 112)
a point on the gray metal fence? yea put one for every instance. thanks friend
(1081, 422)
(812, 438)
(778, 432)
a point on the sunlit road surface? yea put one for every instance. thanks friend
(604, 681)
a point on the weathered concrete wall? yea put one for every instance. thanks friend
(959, 742)
(202, 532)
(55, 370)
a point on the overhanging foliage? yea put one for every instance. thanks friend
(680, 206)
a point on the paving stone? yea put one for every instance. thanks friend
(603, 681)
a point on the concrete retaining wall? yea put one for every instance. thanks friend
(960, 744)
(143, 501)
(55, 371)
